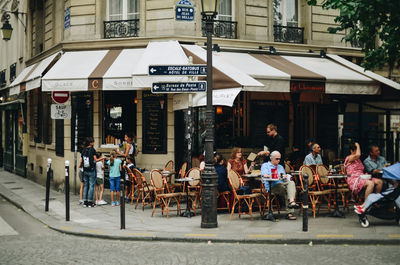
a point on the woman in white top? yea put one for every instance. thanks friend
(130, 148)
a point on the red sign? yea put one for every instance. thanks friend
(297, 86)
(60, 97)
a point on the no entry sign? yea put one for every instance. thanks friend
(60, 97)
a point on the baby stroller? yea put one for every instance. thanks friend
(385, 205)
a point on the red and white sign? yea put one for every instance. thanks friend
(60, 97)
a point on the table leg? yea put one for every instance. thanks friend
(337, 212)
(270, 216)
(187, 212)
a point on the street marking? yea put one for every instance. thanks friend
(265, 236)
(139, 234)
(94, 232)
(6, 229)
(200, 235)
(394, 235)
(65, 228)
(334, 236)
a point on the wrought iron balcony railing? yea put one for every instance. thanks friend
(288, 34)
(121, 28)
(222, 29)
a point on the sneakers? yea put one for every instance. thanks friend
(85, 204)
(101, 202)
(112, 204)
(359, 209)
(91, 205)
(117, 203)
(81, 202)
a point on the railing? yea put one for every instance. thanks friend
(288, 34)
(222, 29)
(121, 28)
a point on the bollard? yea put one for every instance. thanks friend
(122, 205)
(305, 203)
(46, 207)
(67, 190)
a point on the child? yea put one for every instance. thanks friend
(115, 175)
(128, 184)
(99, 188)
(82, 182)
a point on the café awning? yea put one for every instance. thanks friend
(93, 70)
(30, 77)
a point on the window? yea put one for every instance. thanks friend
(225, 10)
(123, 9)
(13, 70)
(286, 13)
(59, 137)
(82, 105)
(3, 81)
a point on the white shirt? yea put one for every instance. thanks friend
(99, 169)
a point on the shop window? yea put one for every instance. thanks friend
(119, 115)
(3, 81)
(123, 9)
(60, 138)
(13, 72)
(82, 106)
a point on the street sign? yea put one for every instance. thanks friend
(60, 111)
(189, 70)
(182, 87)
(184, 10)
(60, 97)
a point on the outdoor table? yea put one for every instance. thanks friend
(168, 175)
(270, 216)
(337, 212)
(187, 213)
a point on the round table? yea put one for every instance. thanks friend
(187, 213)
(270, 216)
(337, 212)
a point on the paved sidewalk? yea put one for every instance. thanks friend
(104, 222)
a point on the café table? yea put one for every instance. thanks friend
(270, 216)
(337, 212)
(187, 213)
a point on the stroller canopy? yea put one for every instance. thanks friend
(392, 172)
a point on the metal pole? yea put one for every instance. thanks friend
(76, 149)
(46, 207)
(209, 177)
(305, 203)
(122, 207)
(67, 190)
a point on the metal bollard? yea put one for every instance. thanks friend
(67, 190)
(46, 207)
(122, 206)
(305, 203)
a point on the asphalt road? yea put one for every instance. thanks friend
(24, 240)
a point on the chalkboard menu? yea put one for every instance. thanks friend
(154, 123)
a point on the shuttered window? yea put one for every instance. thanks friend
(82, 105)
(60, 137)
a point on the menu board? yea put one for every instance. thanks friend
(154, 123)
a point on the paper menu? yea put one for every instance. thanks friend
(252, 157)
(266, 148)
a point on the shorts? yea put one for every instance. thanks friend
(99, 181)
(81, 176)
(115, 184)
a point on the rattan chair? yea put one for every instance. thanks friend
(132, 180)
(145, 191)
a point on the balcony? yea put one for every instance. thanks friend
(288, 34)
(121, 28)
(222, 29)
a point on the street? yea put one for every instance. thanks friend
(24, 240)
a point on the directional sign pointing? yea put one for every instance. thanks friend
(188, 87)
(198, 70)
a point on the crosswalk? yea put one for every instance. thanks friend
(6, 229)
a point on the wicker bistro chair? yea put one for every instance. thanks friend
(133, 183)
(145, 193)
(170, 168)
(163, 196)
(194, 187)
(315, 193)
(181, 174)
(235, 181)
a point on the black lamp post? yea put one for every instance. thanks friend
(6, 29)
(209, 177)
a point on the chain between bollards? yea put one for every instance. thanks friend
(46, 207)
(305, 203)
(122, 205)
(67, 190)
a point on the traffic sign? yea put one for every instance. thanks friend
(182, 87)
(198, 70)
(60, 97)
(60, 111)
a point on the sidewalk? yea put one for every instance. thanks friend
(104, 222)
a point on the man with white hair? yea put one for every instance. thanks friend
(284, 187)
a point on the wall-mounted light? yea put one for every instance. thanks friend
(216, 47)
(219, 110)
(272, 49)
(135, 100)
(322, 53)
(7, 29)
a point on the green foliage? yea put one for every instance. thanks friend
(375, 24)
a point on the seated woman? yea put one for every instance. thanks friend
(222, 173)
(355, 168)
(239, 164)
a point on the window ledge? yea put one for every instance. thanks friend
(51, 147)
(40, 145)
(32, 144)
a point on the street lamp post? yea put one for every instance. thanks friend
(209, 177)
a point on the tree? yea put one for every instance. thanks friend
(373, 23)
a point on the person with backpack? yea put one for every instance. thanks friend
(89, 159)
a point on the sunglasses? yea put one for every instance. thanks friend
(277, 159)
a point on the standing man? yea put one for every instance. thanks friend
(374, 162)
(274, 142)
(314, 158)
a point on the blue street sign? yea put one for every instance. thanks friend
(184, 13)
(198, 70)
(182, 87)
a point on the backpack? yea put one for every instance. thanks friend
(88, 160)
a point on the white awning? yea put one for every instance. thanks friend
(30, 77)
(362, 70)
(221, 97)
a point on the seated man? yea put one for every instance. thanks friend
(374, 162)
(285, 187)
(314, 158)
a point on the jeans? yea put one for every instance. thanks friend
(89, 177)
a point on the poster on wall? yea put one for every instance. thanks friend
(154, 123)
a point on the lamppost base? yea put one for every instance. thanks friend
(209, 225)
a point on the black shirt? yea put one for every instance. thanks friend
(276, 143)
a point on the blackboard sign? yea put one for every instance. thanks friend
(154, 123)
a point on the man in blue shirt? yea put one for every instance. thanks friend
(374, 162)
(314, 158)
(284, 187)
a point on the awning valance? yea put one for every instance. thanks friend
(30, 77)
